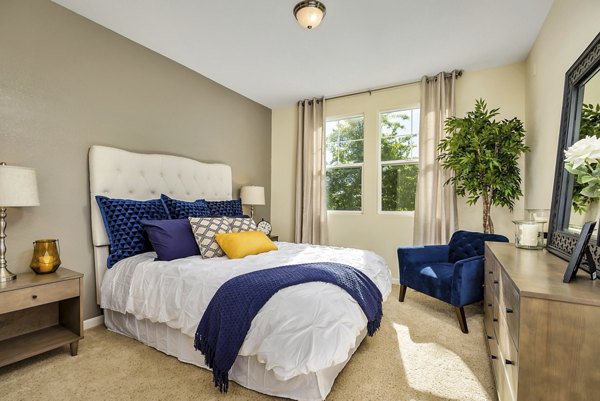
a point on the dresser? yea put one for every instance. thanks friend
(39, 313)
(542, 334)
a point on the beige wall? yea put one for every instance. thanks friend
(568, 30)
(502, 87)
(67, 83)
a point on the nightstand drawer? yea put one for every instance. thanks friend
(38, 295)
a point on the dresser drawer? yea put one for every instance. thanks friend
(492, 269)
(488, 323)
(510, 357)
(510, 306)
(495, 314)
(499, 371)
(38, 295)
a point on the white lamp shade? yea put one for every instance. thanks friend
(252, 195)
(18, 187)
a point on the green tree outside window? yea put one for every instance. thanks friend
(399, 164)
(399, 160)
(344, 157)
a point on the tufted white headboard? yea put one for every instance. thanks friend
(117, 173)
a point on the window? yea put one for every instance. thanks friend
(344, 158)
(399, 158)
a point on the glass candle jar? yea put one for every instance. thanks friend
(529, 234)
(46, 257)
(539, 215)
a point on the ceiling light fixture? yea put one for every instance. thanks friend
(309, 13)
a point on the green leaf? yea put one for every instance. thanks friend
(484, 155)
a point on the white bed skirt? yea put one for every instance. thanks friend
(246, 371)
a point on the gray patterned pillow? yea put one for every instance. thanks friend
(241, 224)
(204, 230)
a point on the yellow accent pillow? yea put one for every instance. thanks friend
(244, 243)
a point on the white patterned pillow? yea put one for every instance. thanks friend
(204, 230)
(241, 224)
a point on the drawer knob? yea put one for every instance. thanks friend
(509, 310)
(495, 281)
(495, 320)
(34, 296)
(490, 337)
(490, 305)
(490, 272)
(493, 357)
(509, 362)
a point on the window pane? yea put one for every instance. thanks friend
(344, 188)
(398, 187)
(344, 141)
(345, 129)
(350, 152)
(399, 135)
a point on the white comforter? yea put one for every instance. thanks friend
(301, 329)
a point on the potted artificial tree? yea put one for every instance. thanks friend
(484, 154)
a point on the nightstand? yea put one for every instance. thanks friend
(39, 313)
(274, 237)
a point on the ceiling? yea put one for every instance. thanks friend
(257, 49)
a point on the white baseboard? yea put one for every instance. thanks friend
(93, 322)
(395, 281)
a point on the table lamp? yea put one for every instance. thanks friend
(252, 196)
(18, 188)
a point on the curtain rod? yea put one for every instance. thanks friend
(370, 91)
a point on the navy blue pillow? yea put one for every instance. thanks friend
(171, 239)
(179, 209)
(122, 221)
(229, 208)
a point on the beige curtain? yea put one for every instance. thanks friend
(311, 208)
(435, 208)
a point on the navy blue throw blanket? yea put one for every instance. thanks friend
(227, 318)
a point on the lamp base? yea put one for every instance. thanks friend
(6, 275)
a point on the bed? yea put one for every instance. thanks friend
(160, 303)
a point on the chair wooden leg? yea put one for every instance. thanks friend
(402, 293)
(460, 314)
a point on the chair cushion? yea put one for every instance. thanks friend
(466, 244)
(434, 279)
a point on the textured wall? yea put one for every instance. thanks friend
(67, 83)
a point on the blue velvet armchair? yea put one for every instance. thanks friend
(452, 273)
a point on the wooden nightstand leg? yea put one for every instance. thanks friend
(74, 346)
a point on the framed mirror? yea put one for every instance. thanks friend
(580, 118)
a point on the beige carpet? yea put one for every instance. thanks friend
(418, 354)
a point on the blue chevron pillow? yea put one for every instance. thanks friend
(229, 208)
(179, 209)
(122, 222)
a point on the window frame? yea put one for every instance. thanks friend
(381, 163)
(351, 165)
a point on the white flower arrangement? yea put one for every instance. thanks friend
(582, 160)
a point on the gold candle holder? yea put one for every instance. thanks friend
(46, 256)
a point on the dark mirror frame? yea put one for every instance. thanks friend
(561, 242)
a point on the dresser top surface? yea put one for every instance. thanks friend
(25, 280)
(539, 274)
